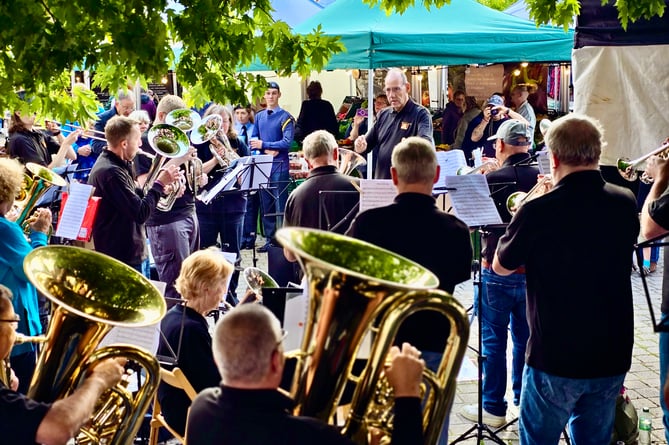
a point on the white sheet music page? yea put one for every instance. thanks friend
(376, 193)
(544, 163)
(449, 162)
(74, 210)
(471, 200)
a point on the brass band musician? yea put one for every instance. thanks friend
(24, 421)
(503, 297)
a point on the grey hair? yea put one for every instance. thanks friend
(576, 139)
(415, 161)
(244, 341)
(319, 143)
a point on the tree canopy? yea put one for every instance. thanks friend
(125, 41)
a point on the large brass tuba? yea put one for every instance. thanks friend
(40, 180)
(92, 293)
(355, 287)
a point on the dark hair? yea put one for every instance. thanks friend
(314, 90)
(16, 124)
(5, 299)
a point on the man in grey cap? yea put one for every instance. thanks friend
(503, 297)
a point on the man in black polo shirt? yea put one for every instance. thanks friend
(404, 118)
(579, 307)
(503, 297)
(303, 208)
(414, 227)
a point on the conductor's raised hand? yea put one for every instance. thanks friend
(360, 144)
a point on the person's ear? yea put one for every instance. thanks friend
(335, 154)
(436, 174)
(555, 162)
(393, 175)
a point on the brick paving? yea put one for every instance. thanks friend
(642, 381)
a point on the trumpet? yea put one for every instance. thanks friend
(517, 199)
(629, 169)
(485, 167)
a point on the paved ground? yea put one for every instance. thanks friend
(642, 381)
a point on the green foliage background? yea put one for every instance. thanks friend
(126, 41)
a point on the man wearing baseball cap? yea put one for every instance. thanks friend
(503, 297)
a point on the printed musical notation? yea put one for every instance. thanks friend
(376, 193)
(471, 200)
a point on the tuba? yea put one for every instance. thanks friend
(355, 287)
(167, 141)
(92, 293)
(348, 161)
(35, 185)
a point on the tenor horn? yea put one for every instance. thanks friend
(92, 293)
(40, 180)
(355, 287)
(348, 161)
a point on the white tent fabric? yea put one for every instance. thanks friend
(627, 89)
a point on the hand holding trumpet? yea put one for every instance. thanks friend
(40, 220)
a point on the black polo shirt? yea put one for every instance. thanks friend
(391, 127)
(414, 227)
(303, 205)
(31, 146)
(515, 175)
(118, 229)
(21, 417)
(576, 243)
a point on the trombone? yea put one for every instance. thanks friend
(629, 169)
(517, 199)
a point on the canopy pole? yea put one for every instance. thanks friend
(370, 116)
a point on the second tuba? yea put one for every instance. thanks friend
(92, 293)
(354, 288)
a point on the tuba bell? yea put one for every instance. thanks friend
(92, 293)
(35, 185)
(355, 287)
(348, 161)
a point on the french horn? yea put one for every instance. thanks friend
(92, 293)
(354, 288)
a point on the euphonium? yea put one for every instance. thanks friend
(91, 293)
(630, 169)
(516, 199)
(42, 180)
(256, 279)
(355, 287)
(183, 118)
(193, 172)
(167, 141)
(348, 161)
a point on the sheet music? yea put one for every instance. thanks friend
(544, 163)
(74, 210)
(226, 183)
(146, 337)
(262, 169)
(376, 193)
(294, 319)
(471, 200)
(449, 163)
(477, 153)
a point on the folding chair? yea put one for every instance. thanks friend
(177, 379)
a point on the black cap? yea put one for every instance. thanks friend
(273, 85)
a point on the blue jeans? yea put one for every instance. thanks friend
(503, 302)
(432, 361)
(549, 402)
(664, 368)
(273, 201)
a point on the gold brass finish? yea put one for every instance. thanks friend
(355, 287)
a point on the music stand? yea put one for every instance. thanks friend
(638, 250)
(323, 211)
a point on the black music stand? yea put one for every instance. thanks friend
(323, 211)
(638, 250)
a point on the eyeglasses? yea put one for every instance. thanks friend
(14, 321)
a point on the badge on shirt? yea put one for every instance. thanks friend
(405, 125)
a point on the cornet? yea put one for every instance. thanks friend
(517, 199)
(630, 169)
